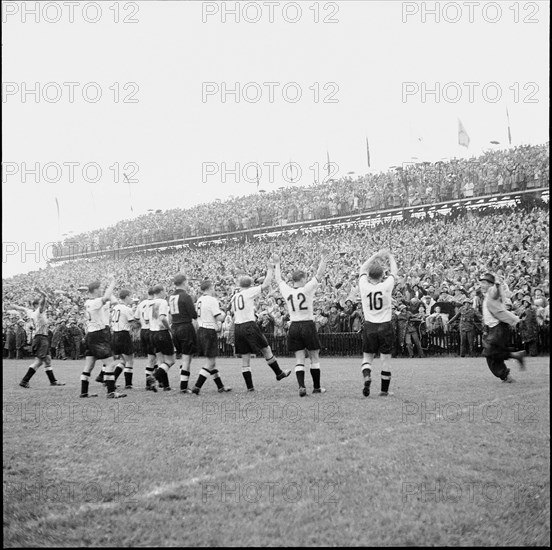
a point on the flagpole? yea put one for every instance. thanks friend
(129, 194)
(58, 217)
(509, 130)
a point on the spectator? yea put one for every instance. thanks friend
(11, 341)
(469, 320)
(75, 337)
(528, 325)
(20, 339)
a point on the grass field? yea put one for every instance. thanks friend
(455, 457)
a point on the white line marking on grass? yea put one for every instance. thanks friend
(168, 488)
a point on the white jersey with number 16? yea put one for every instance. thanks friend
(376, 299)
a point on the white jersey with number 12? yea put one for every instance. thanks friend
(300, 300)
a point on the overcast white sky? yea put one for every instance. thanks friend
(368, 54)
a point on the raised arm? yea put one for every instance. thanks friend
(322, 266)
(268, 278)
(109, 290)
(277, 270)
(381, 254)
(43, 298)
(393, 266)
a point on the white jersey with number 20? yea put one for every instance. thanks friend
(376, 299)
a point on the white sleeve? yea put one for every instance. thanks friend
(96, 303)
(390, 282)
(254, 292)
(284, 288)
(163, 308)
(311, 285)
(215, 307)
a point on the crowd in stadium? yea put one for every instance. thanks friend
(495, 172)
(440, 258)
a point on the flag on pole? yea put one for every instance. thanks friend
(463, 138)
(368, 152)
(509, 132)
(257, 169)
(328, 157)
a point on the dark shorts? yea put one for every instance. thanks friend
(377, 337)
(162, 342)
(303, 335)
(145, 339)
(496, 343)
(98, 344)
(41, 346)
(207, 341)
(248, 338)
(121, 343)
(185, 339)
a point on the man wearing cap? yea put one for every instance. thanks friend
(468, 318)
(498, 320)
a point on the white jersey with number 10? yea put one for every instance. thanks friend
(243, 304)
(376, 299)
(300, 300)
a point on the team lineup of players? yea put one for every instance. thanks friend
(173, 327)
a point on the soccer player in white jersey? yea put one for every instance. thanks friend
(41, 345)
(248, 336)
(98, 338)
(122, 319)
(302, 333)
(143, 314)
(377, 333)
(161, 337)
(209, 320)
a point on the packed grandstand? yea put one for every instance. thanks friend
(446, 223)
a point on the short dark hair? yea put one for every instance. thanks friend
(375, 271)
(124, 293)
(179, 278)
(205, 285)
(150, 291)
(246, 281)
(296, 276)
(93, 286)
(157, 289)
